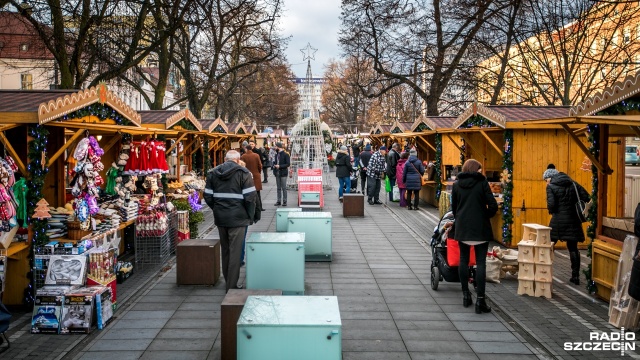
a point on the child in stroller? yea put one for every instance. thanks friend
(440, 268)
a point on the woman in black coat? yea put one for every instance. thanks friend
(473, 204)
(634, 280)
(411, 177)
(343, 171)
(565, 224)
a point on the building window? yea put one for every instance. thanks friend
(27, 81)
(24, 47)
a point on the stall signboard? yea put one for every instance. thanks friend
(310, 188)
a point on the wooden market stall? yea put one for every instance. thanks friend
(221, 143)
(426, 140)
(496, 135)
(68, 116)
(182, 143)
(612, 115)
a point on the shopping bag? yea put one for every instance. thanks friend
(453, 254)
(396, 194)
(387, 184)
(494, 265)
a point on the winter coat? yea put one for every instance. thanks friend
(377, 165)
(400, 173)
(634, 280)
(343, 165)
(355, 150)
(413, 170)
(561, 202)
(363, 161)
(282, 159)
(473, 206)
(254, 165)
(392, 162)
(231, 194)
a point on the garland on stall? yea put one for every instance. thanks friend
(205, 156)
(438, 166)
(37, 170)
(592, 218)
(477, 121)
(463, 151)
(101, 111)
(507, 188)
(622, 108)
(185, 124)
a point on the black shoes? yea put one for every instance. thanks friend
(263, 209)
(277, 204)
(410, 207)
(264, 182)
(481, 306)
(378, 202)
(466, 299)
(284, 203)
(575, 280)
(370, 202)
(416, 208)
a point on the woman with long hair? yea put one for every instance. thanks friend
(473, 206)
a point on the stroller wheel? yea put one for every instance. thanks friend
(435, 277)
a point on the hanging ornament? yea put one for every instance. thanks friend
(43, 157)
(505, 177)
(586, 164)
(506, 146)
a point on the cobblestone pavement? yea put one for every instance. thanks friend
(380, 273)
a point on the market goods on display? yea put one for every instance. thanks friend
(146, 158)
(9, 207)
(86, 180)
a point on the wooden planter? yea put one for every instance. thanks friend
(606, 253)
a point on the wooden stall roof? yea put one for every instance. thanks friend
(66, 104)
(212, 124)
(168, 118)
(234, 128)
(21, 106)
(621, 90)
(510, 116)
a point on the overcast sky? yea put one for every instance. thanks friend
(315, 22)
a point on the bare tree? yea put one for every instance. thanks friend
(220, 38)
(93, 41)
(395, 34)
(566, 50)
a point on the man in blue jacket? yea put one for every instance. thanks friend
(231, 194)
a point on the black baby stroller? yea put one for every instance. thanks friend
(355, 175)
(440, 269)
(5, 317)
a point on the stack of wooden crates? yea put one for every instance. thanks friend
(535, 260)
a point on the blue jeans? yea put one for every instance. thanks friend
(344, 181)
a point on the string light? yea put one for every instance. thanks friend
(101, 111)
(507, 189)
(594, 148)
(438, 165)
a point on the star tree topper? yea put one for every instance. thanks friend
(309, 52)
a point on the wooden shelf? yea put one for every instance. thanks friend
(16, 248)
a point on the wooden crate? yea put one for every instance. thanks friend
(198, 262)
(606, 253)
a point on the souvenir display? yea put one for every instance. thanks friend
(78, 310)
(146, 158)
(47, 310)
(66, 270)
(102, 266)
(8, 204)
(105, 300)
(86, 180)
(123, 271)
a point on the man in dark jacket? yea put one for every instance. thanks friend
(392, 161)
(231, 194)
(281, 172)
(562, 196)
(365, 156)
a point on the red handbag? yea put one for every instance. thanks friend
(453, 253)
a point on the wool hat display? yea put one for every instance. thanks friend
(549, 173)
(413, 152)
(279, 145)
(343, 148)
(367, 147)
(382, 147)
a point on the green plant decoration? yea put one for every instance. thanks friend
(438, 166)
(195, 217)
(101, 111)
(477, 121)
(594, 139)
(507, 188)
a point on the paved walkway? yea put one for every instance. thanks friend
(380, 273)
